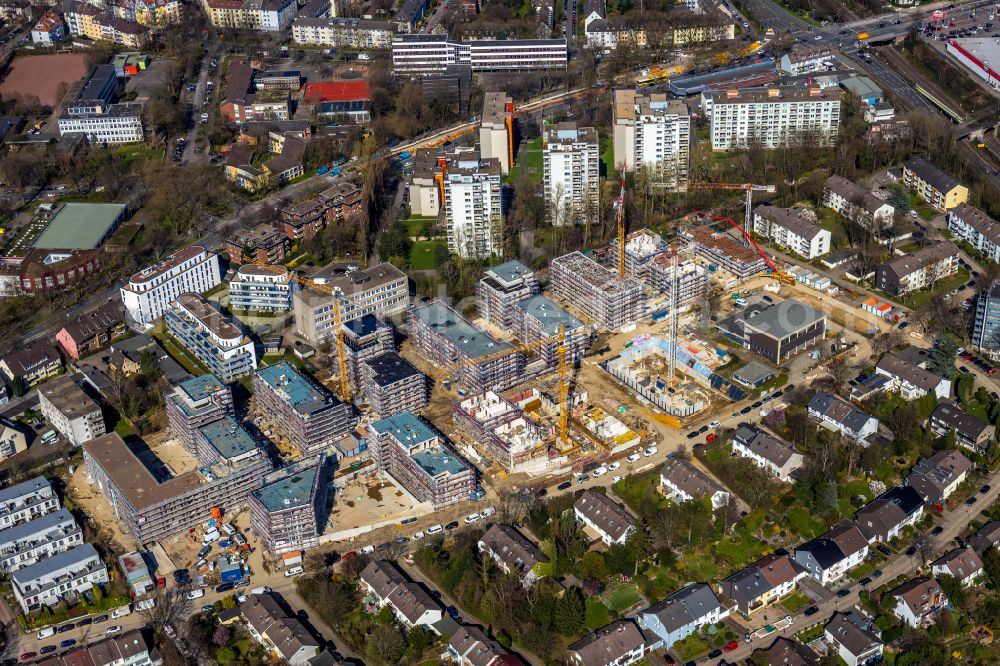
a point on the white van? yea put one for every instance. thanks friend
(434, 529)
(364, 56)
(294, 571)
(228, 529)
(367, 549)
(46, 632)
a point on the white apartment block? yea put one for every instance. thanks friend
(855, 202)
(472, 207)
(789, 228)
(652, 131)
(496, 129)
(773, 118)
(572, 169)
(63, 575)
(28, 543)
(262, 15)
(350, 32)
(261, 288)
(220, 344)
(802, 60)
(70, 410)
(415, 54)
(27, 500)
(976, 228)
(148, 293)
(117, 124)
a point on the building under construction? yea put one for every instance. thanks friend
(691, 278)
(501, 289)
(641, 247)
(720, 249)
(365, 338)
(307, 416)
(599, 294)
(501, 432)
(391, 384)
(538, 319)
(288, 511)
(450, 342)
(196, 402)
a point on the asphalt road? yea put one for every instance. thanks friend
(893, 81)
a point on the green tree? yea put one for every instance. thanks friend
(225, 655)
(385, 645)
(148, 365)
(394, 242)
(827, 497)
(418, 641)
(570, 612)
(592, 566)
(18, 387)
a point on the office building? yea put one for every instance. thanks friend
(501, 288)
(571, 174)
(218, 342)
(305, 415)
(448, 340)
(391, 384)
(653, 132)
(361, 34)
(288, 512)
(608, 301)
(933, 185)
(419, 459)
(152, 507)
(261, 289)
(60, 577)
(426, 53)
(70, 410)
(25, 501)
(118, 124)
(793, 229)
(29, 543)
(196, 402)
(772, 118)
(921, 268)
(496, 129)
(473, 213)
(148, 293)
(977, 229)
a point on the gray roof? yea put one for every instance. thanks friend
(931, 174)
(690, 479)
(986, 536)
(607, 514)
(849, 632)
(789, 219)
(228, 437)
(54, 564)
(754, 372)
(978, 220)
(509, 271)
(512, 547)
(32, 527)
(912, 374)
(920, 259)
(444, 321)
(289, 488)
(19, 490)
(783, 319)
(764, 444)
(609, 643)
(684, 606)
(840, 411)
(889, 509)
(931, 476)
(841, 542)
(550, 315)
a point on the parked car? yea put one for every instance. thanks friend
(865, 581)
(224, 587)
(714, 653)
(564, 485)
(294, 571)
(882, 548)
(632, 458)
(985, 489)
(812, 610)
(69, 642)
(971, 501)
(195, 594)
(937, 530)
(877, 573)
(452, 525)
(69, 626)
(843, 593)
(116, 628)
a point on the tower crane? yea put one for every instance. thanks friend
(749, 188)
(620, 219)
(345, 387)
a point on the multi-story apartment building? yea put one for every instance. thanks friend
(409, 450)
(789, 228)
(30, 364)
(500, 431)
(496, 129)
(500, 290)
(217, 341)
(425, 53)
(448, 340)
(933, 185)
(86, 20)
(49, 29)
(364, 339)
(262, 15)
(289, 511)
(642, 246)
(720, 249)
(263, 243)
(425, 193)
(856, 203)
(26, 501)
(392, 384)
(473, 213)
(226, 442)
(261, 289)
(691, 278)
(92, 330)
(196, 402)
(362, 34)
(537, 319)
(599, 294)
(773, 118)
(150, 291)
(70, 410)
(55, 578)
(976, 228)
(922, 268)
(986, 324)
(28, 543)
(308, 416)
(381, 290)
(571, 163)
(152, 507)
(653, 132)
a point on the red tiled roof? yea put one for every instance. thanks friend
(336, 91)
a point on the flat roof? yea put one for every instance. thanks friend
(228, 437)
(201, 387)
(783, 319)
(406, 427)
(509, 271)
(390, 368)
(439, 461)
(79, 226)
(294, 388)
(444, 321)
(549, 314)
(292, 490)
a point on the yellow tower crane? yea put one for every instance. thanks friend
(345, 386)
(620, 219)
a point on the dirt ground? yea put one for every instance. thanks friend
(364, 502)
(96, 506)
(40, 75)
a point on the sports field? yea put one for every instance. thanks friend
(40, 75)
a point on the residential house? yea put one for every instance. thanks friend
(919, 601)
(59, 577)
(841, 416)
(470, 646)
(971, 431)
(30, 364)
(986, 537)
(855, 638)
(609, 519)
(409, 601)
(682, 613)
(933, 185)
(767, 451)
(789, 652)
(884, 517)
(92, 330)
(513, 553)
(617, 644)
(918, 269)
(911, 381)
(963, 564)
(763, 582)
(831, 555)
(681, 481)
(856, 203)
(793, 229)
(937, 477)
(282, 635)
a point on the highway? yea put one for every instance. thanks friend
(893, 81)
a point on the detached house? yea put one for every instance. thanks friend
(855, 639)
(971, 431)
(617, 644)
(911, 381)
(681, 481)
(885, 516)
(412, 605)
(767, 451)
(606, 517)
(283, 636)
(763, 582)
(470, 646)
(964, 564)
(919, 601)
(937, 477)
(986, 537)
(682, 613)
(841, 416)
(513, 552)
(829, 556)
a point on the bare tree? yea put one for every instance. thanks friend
(170, 605)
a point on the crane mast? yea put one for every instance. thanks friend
(620, 219)
(563, 389)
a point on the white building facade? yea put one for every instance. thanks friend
(149, 292)
(472, 206)
(773, 118)
(572, 168)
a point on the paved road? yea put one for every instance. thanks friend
(772, 15)
(893, 81)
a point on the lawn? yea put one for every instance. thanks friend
(623, 597)
(943, 287)
(697, 566)
(804, 523)
(607, 157)
(926, 212)
(740, 551)
(187, 361)
(795, 602)
(423, 255)
(530, 157)
(596, 614)
(291, 359)
(690, 647)
(866, 568)
(415, 224)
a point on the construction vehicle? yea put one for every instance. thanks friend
(345, 387)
